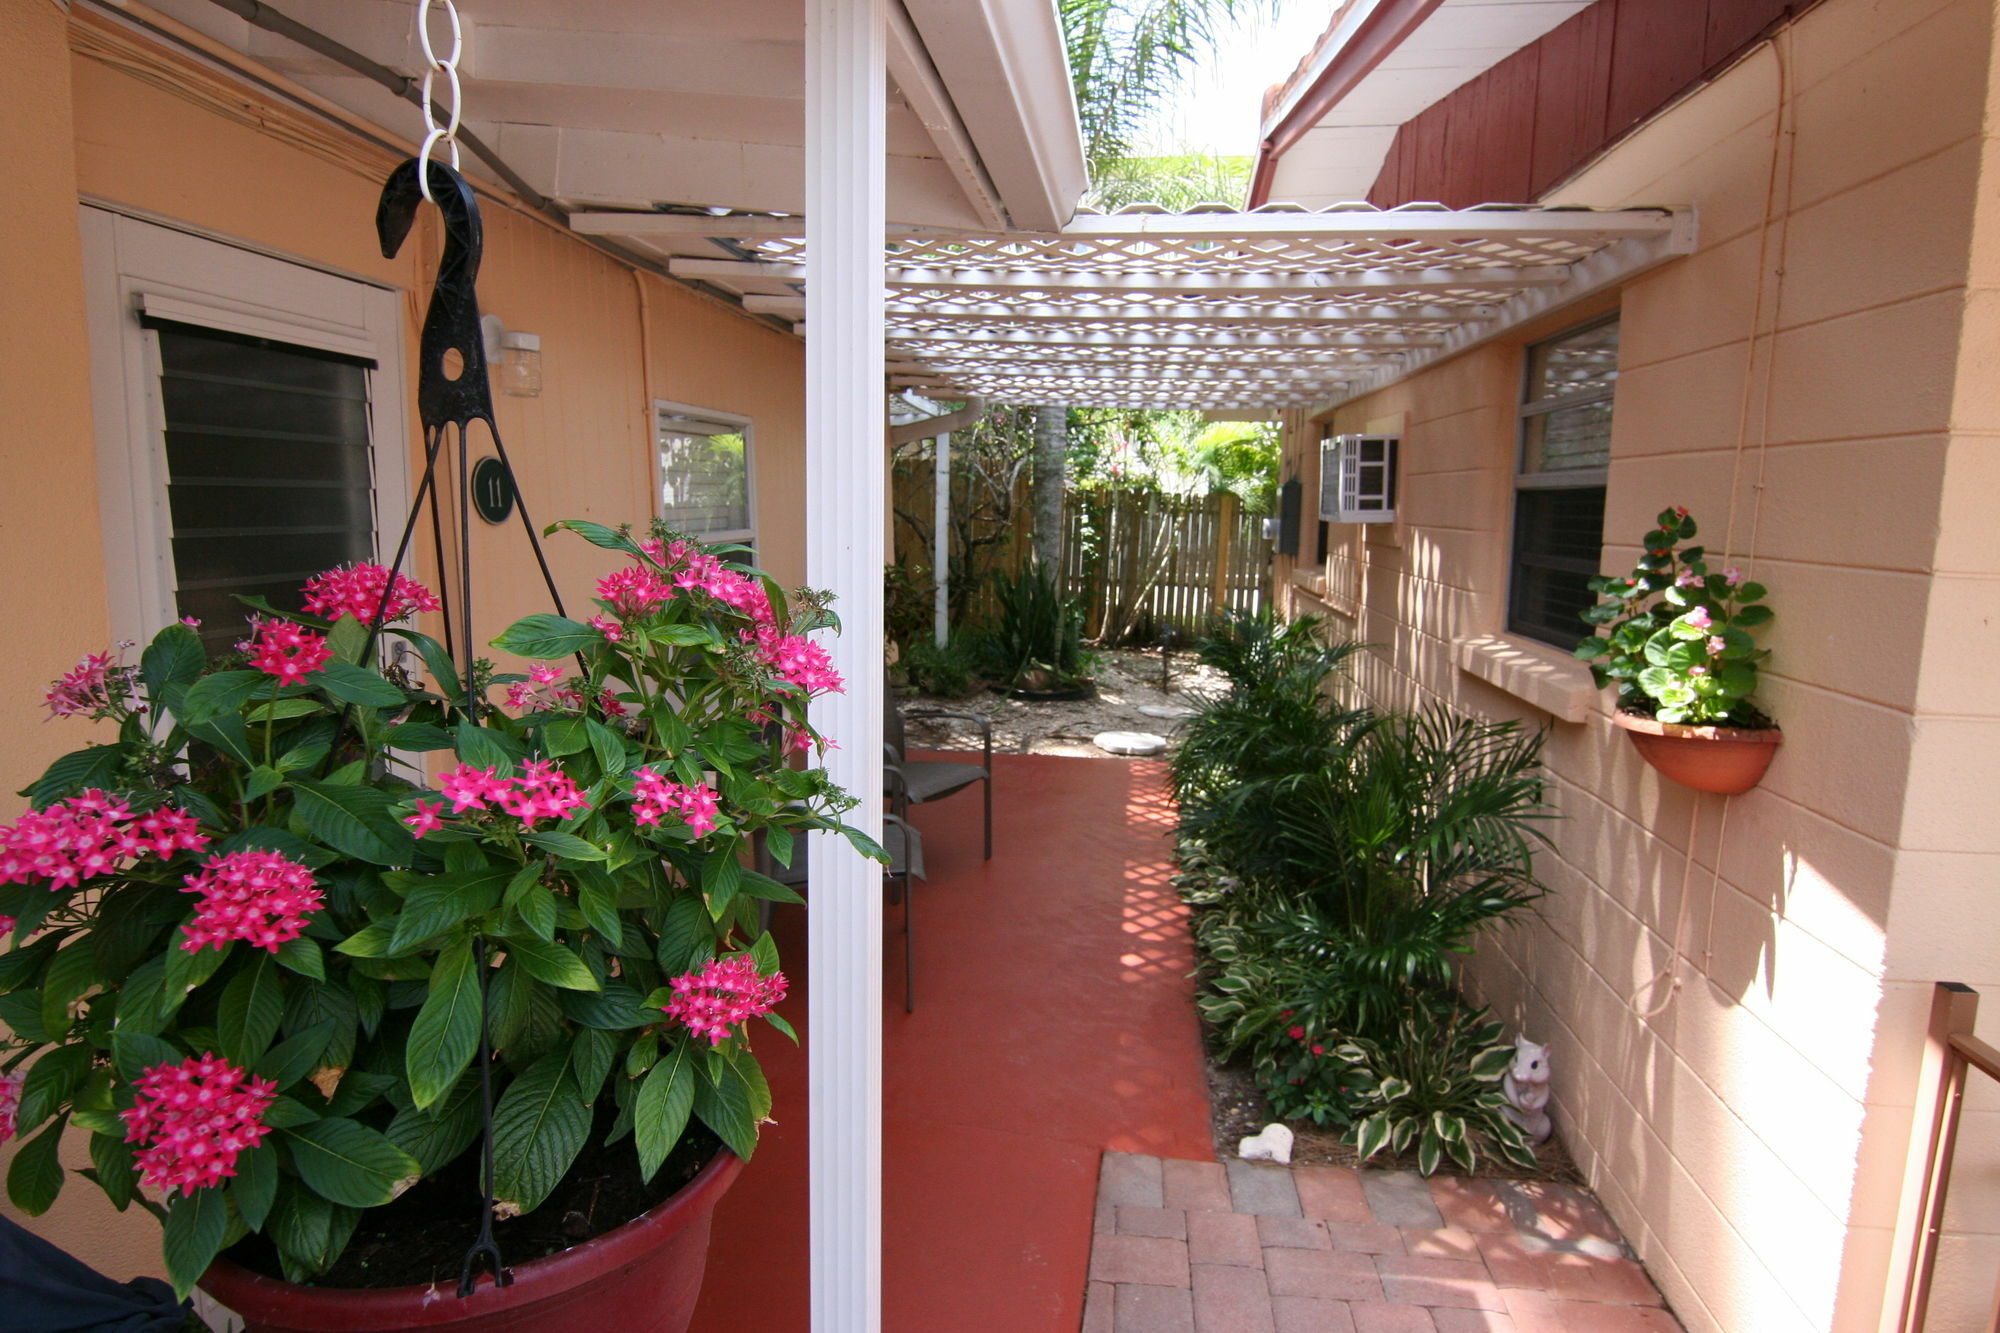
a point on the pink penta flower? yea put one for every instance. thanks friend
(469, 788)
(1698, 618)
(89, 834)
(257, 896)
(723, 995)
(655, 797)
(634, 591)
(10, 1102)
(365, 592)
(85, 688)
(426, 818)
(797, 659)
(195, 1119)
(608, 627)
(289, 652)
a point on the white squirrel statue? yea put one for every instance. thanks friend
(1526, 1087)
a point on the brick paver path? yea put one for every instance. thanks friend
(1240, 1247)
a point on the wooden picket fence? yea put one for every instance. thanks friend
(1143, 564)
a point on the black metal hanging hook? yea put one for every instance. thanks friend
(452, 321)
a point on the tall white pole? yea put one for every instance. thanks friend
(941, 540)
(846, 167)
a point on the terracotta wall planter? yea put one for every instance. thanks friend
(1723, 760)
(642, 1278)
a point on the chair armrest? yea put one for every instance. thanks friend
(984, 724)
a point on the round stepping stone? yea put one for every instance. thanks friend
(1170, 712)
(1130, 742)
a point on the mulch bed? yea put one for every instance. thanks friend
(1237, 1109)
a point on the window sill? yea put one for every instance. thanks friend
(1313, 584)
(1549, 679)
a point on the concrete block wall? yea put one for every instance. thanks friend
(1748, 1129)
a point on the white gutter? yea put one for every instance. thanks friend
(1008, 73)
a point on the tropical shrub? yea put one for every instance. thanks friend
(948, 672)
(259, 946)
(1036, 639)
(1677, 637)
(1340, 862)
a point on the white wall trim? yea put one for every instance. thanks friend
(132, 265)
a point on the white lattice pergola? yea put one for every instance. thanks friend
(1274, 309)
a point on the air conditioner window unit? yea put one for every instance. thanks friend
(1357, 479)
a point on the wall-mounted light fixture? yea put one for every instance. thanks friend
(515, 358)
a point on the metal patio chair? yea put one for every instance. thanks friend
(935, 779)
(906, 862)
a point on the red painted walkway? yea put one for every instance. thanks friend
(1054, 1020)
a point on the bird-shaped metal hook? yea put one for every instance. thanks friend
(452, 322)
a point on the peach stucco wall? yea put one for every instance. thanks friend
(79, 126)
(1750, 1134)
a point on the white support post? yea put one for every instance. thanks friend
(846, 173)
(941, 540)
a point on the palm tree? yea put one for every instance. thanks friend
(1124, 56)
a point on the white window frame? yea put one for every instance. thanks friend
(1342, 497)
(135, 266)
(731, 424)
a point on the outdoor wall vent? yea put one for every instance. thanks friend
(1357, 479)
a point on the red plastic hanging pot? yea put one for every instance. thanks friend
(641, 1278)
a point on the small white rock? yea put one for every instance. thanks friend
(1171, 712)
(1130, 742)
(1273, 1145)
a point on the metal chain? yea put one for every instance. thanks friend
(434, 133)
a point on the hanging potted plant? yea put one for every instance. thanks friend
(287, 946)
(1677, 642)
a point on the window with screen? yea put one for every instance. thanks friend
(705, 473)
(1559, 481)
(269, 476)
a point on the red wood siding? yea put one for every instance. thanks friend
(1511, 134)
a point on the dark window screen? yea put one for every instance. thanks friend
(1291, 504)
(268, 474)
(1557, 534)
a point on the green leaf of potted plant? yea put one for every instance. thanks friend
(277, 942)
(1677, 643)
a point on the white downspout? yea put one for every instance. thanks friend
(941, 540)
(846, 174)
